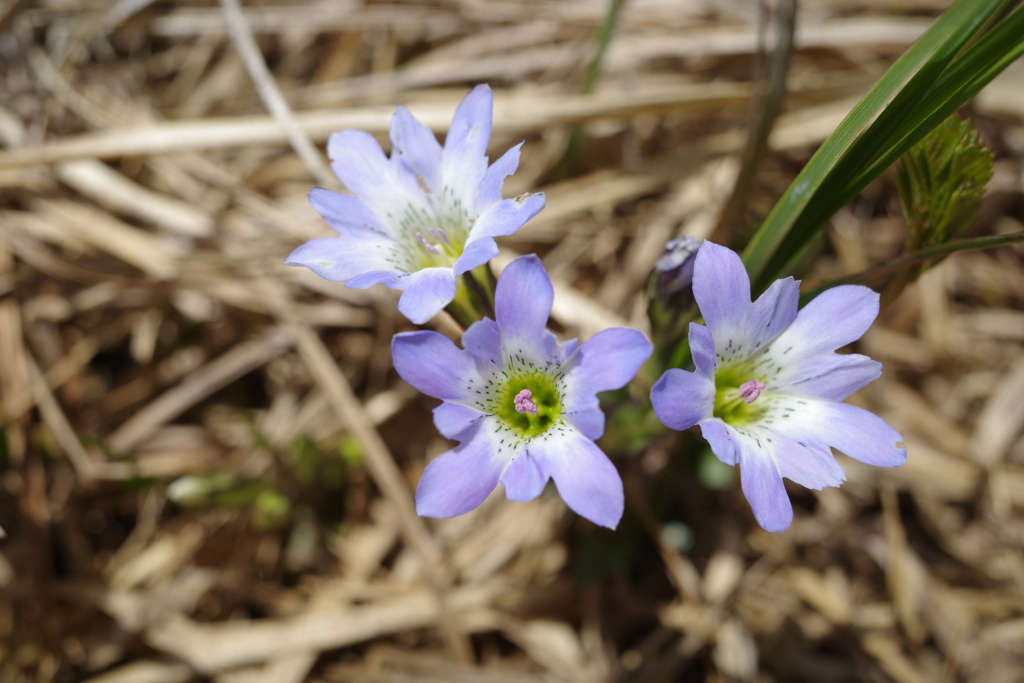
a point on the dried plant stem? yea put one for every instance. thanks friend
(270, 93)
(203, 382)
(378, 458)
(54, 417)
(764, 107)
(934, 253)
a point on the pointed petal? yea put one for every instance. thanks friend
(567, 348)
(801, 359)
(860, 434)
(702, 350)
(388, 278)
(470, 131)
(430, 362)
(609, 360)
(507, 216)
(830, 376)
(475, 254)
(389, 189)
(360, 163)
(341, 258)
(524, 478)
(586, 479)
(459, 480)
(452, 419)
(833, 319)
(720, 438)
(464, 161)
(722, 289)
(490, 188)
(772, 313)
(346, 214)
(415, 145)
(763, 487)
(425, 293)
(588, 418)
(483, 340)
(808, 464)
(522, 304)
(682, 399)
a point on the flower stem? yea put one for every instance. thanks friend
(482, 295)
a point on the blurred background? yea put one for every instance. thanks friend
(206, 460)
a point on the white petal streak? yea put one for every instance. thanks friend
(857, 432)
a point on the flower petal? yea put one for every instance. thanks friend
(475, 254)
(720, 438)
(425, 293)
(524, 478)
(522, 304)
(609, 360)
(483, 340)
(808, 464)
(830, 376)
(342, 258)
(388, 278)
(346, 214)
(415, 145)
(586, 479)
(361, 165)
(470, 132)
(763, 487)
(771, 313)
(464, 162)
(430, 362)
(833, 319)
(507, 216)
(452, 419)
(722, 289)
(682, 399)
(587, 417)
(490, 188)
(859, 433)
(459, 480)
(702, 349)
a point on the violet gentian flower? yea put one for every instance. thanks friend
(522, 406)
(768, 388)
(421, 218)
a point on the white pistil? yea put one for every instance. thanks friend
(429, 247)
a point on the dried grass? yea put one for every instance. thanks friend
(149, 333)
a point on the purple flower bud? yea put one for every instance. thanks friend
(673, 271)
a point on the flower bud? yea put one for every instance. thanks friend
(673, 271)
(670, 287)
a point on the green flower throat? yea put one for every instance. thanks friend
(529, 404)
(736, 394)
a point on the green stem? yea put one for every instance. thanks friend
(914, 258)
(577, 138)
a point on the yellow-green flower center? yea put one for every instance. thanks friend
(736, 391)
(543, 395)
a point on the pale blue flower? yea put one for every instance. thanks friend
(523, 407)
(421, 218)
(768, 388)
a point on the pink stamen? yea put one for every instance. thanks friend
(749, 391)
(523, 402)
(445, 236)
(430, 247)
